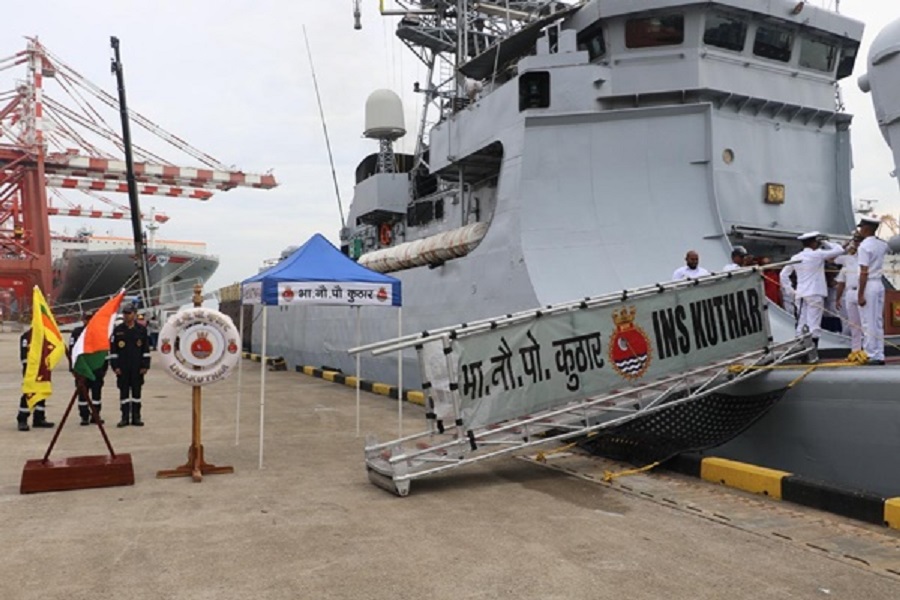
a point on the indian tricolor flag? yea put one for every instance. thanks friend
(92, 346)
(44, 351)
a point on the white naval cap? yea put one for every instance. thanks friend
(809, 235)
(869, 221)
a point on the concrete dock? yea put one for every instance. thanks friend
(311, 525)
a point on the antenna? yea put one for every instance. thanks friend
(357, 23)
(337, 191)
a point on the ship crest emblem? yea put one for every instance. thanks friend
(288, 294)
(232, 347)
(166, 346)
(382, 294)
(201, 347)
(162, 259)
(629, 346)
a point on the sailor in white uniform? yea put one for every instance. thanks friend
(738, 253)
(847, 286)
(811, 289)
(870, 294)
(691, 269)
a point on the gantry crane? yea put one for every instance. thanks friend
(48, 143)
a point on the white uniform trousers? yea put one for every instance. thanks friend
(852, 322)
(810, 317)
(872, 317)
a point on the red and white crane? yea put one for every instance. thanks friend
(67, 143)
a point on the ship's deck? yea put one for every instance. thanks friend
(310, 525)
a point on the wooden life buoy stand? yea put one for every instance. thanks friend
(385, 234)
(196, 466)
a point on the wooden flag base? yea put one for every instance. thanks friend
(195, 467)
(76, 473)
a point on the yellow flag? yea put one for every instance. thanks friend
(44, 351)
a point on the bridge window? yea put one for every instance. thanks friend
(534, 90)
(774, 43)
(591, 39)
(817, 55)
(664, 30)
(848, 58)
(725, 32)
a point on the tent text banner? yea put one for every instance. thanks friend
(512, 371)
(331, 292)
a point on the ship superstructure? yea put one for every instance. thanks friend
(571, 150)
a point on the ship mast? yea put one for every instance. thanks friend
(446, 34)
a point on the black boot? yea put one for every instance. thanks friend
(136, 414)
(84, 412)
(40, 421)
(97, 419)
(126, 415)
(23, 426)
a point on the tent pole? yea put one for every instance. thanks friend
(262, 384)
(237, 412)
(358, 334)
(399, 374)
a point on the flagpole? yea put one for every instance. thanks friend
(60, 427)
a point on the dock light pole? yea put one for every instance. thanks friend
(140, 249)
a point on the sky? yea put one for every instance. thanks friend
(233, 78)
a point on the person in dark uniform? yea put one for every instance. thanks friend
(129, 359)
(40, 414)
(88, 391)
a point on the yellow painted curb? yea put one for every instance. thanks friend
(350, 380)
(892, 513)
(309, 371)
(329, 375)
(416, 398)
(381, 388)
(750, 478)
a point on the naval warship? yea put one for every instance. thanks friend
(573, 149)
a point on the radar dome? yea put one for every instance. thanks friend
(894, 244)
(384, 116)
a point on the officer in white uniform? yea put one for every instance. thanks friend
(691, 269)
(738, 253)
(811, 287)
(847, 287)
(870, 294)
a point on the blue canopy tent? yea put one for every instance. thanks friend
(316, 273)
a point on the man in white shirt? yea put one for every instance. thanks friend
(738, 254)
(870, 294)
(691, 269)
(812, 290)
(847, 286)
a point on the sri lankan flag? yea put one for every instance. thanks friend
(44, 351)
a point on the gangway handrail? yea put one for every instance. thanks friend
(465, 329)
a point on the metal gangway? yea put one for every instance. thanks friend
(618, 382)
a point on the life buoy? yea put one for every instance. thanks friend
(199, 346)
(385, 234)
